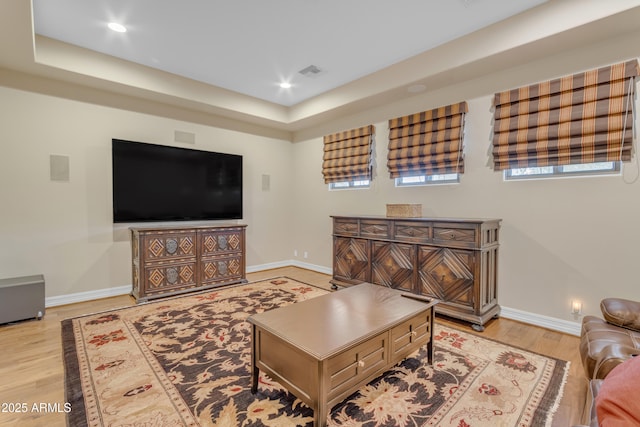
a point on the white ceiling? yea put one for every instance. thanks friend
(218, 62)
(250, 46)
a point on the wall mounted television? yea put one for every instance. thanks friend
(162, 183)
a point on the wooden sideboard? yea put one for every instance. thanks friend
(452, 260)
(173, 260)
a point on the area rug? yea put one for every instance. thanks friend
(186, 362)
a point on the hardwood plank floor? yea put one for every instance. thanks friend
(31, 369)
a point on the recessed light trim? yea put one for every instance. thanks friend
(118, 28)
(285, 85)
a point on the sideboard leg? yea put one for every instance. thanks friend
(478, 328)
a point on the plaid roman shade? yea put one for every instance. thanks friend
(584, 118)
(347, 155)
(427, 143)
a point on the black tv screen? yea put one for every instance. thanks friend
(161, 183)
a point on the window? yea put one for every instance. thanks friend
(583, 169)
(347, 158)
(343, 185)
(428, 144)
(446, 178)
(581, 124)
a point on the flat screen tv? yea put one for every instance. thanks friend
(161, 183)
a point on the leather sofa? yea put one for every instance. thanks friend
(606, 344)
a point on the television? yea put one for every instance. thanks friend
(162, 183)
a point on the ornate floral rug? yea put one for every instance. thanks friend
(186, 362)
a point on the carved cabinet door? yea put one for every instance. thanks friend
(447, 274)
(392, 265)
(221, 255)
(351, 259)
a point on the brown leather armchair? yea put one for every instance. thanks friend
(605, 344)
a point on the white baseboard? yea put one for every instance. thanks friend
(268, 266)
(568, 327)
(125, 290)
(312, 267)
(86, 296)
(572, 328)
(290, 263)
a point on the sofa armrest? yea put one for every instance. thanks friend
(621, 312)
(610, 357)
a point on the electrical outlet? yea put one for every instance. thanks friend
(306, 254)
(295, 252)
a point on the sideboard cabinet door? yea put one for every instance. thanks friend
(221, 255)
(351, 260)
(392, 265)
(447, 274)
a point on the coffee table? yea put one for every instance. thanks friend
(324, 349)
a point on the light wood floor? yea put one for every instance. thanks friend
(31, 370)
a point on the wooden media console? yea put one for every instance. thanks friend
(173, 260)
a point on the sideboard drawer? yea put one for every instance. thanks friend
(216, 242)
(350, 367)
(345, 227)
(164, 246)
(165, 277)
(413, 232)
(455, 235)
(220, 269)
(375, 229)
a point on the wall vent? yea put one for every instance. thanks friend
(311, 71)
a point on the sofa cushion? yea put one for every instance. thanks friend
(617, 402)
(596, 336)
(621, 312)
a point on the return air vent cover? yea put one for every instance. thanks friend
(311, 71)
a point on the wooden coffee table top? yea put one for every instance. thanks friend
(324, 326)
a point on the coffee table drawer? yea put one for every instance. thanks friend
(353, 365)
(410, 335)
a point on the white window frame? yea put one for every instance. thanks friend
(565, 171)
(358, 184)
(435, 179)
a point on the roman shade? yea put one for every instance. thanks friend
(584, 118)
(347, 155)
(427, 143)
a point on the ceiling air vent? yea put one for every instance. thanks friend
(311, 71)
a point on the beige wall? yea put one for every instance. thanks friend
(64, 230)
(561, 239)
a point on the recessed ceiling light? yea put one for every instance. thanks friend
(119, 28)
(285, 85)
